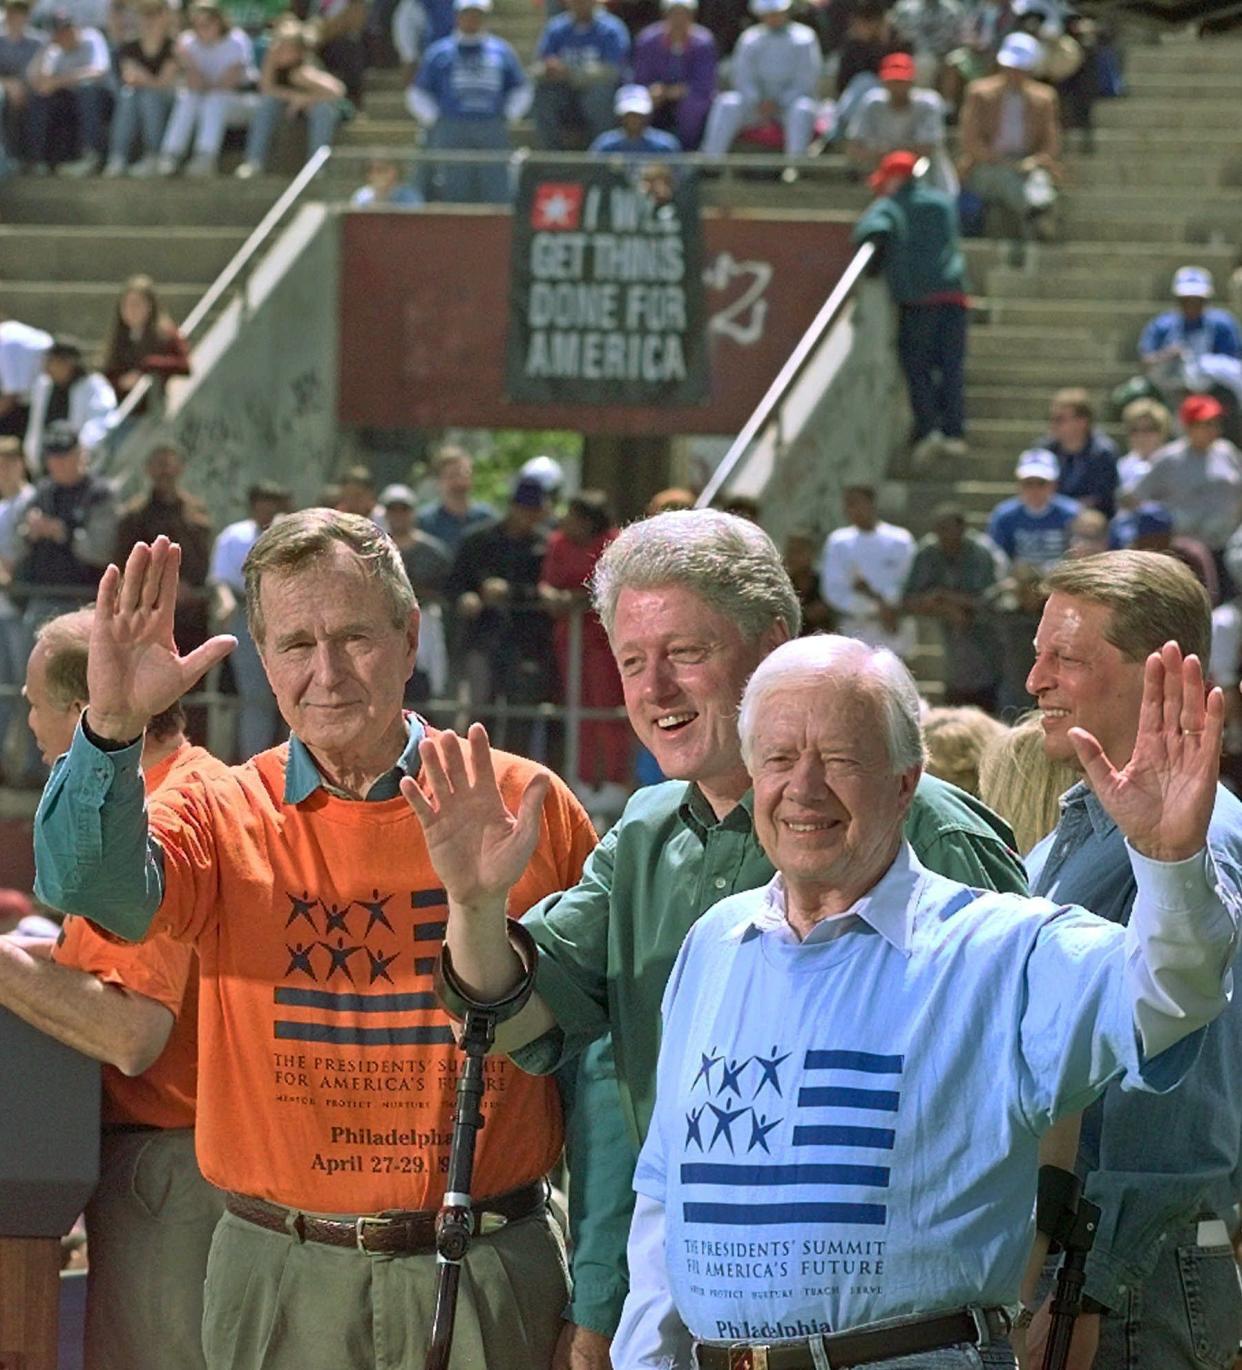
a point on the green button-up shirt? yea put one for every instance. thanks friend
(608, 947)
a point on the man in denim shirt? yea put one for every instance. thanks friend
(1162, 1288)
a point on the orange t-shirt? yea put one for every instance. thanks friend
(160, 969)
(329, 1068)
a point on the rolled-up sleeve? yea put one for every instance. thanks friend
(94, 855)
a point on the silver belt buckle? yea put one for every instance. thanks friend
(360, 1229)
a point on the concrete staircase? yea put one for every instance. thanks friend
(1163, 188)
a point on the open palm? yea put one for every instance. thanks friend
(478, 847)
(134, 670)
(1162, 798)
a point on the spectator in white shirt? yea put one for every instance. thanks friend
(1148, 426)
(863, 577)
(68, 391)
(776, 70)
(74, 69)
(257, 718)
(22, 352)
(217, 62)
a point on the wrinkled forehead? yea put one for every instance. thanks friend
(837, 711)
(1071, 623)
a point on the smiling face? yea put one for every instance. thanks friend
(336, 662)
(828, 806)
(683, 667)
(1082, 681)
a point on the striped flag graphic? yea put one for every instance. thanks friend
(822, 1139)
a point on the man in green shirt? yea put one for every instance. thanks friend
(692, 602)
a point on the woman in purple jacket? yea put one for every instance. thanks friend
(676, 60)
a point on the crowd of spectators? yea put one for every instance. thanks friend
(146, 87)
(775, 75)
(500, 590)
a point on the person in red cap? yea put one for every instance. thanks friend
(898, 115)
(1198, 478)
(914, 227)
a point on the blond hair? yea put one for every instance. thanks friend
(956, 738)
(1152, 410)
(1018, 781)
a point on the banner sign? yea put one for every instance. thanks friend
(606, 291)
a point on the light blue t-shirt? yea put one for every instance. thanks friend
(846, 1127)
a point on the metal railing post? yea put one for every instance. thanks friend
(573, 696)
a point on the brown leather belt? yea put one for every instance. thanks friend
(386, 1234)
(877, 1341)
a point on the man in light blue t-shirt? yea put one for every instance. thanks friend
(858, 1061)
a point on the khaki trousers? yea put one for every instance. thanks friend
(149, 1226)
(274, 1303)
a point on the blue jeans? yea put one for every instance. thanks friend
(931, 346)
(1187, 1315)
(558, 108)
(321, 121)
(477, 183)
(91, 103)
(139, 108)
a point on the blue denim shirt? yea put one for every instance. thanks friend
(1150, 1161)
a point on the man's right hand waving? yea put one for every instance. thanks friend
(134, 670)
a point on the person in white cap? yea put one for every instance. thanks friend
(634, 108)
(776, 71)
(676, 60)
(469, 87)
(1009, 131)
(578, 66)
(1032, 529)
(1194, 345)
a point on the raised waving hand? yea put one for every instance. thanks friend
(134, 670)
(1162, 798)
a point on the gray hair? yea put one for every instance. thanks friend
(875, 670)
(729, 562)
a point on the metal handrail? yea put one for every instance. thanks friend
(786, 377)
(237, 264)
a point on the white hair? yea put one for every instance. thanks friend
(727, 561)
(875, 670)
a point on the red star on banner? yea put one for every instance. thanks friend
(557, 206)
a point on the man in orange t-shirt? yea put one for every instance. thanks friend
(151, 1218)
(302, 879)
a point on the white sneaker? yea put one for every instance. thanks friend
(115, 167)
(40, 169)
(201, 165)
(248, 171)
(927, 449)
(81, 166)
(145, 166)
(166, 165)
(954, 448)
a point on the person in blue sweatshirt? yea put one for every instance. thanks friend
(579, 62)
(469, 88)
